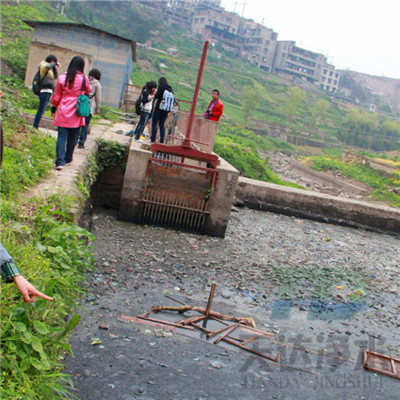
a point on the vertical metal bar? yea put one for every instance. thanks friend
(210, 299)
(186, 142)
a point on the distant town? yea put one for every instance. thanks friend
(248, 39)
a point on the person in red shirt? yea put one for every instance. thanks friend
(215, 109)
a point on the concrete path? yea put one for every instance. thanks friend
(64, 180)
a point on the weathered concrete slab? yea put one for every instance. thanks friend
(306, 204)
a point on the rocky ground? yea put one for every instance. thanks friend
(316, 286)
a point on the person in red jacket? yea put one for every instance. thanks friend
(215, 109)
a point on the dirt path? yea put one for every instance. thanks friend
(281, 164)
(312, 284)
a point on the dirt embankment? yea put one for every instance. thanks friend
(334, 183)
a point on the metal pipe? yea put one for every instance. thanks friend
(186, 142)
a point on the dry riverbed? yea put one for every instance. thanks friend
(326, 288)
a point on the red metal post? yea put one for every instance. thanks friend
(186, 142)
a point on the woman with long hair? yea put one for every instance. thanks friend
(69, 86)
(159, 116)
(48, 75)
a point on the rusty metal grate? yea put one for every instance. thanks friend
(167, 209)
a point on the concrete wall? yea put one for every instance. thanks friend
(222, 199)
(203, 133)
(134, 182)
(301, 203)
(111, 55)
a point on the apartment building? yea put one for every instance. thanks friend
(252, 40)
(298, 62)
(217, 25)
(330, 78)
(258, 43)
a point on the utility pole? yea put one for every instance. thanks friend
(237, 3)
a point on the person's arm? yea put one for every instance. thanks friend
(88, 86)
(56, 98)
(11, 273)
(27, 290)
(98, 98)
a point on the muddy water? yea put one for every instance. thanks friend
(327, 288)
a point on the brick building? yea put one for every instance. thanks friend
(111, 54)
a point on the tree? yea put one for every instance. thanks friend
(296, 97)
(318, 110)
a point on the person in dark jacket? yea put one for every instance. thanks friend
(48, 73)
(159, 116)
(148, 93)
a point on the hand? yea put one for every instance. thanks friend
(53, 115)
(58, 64)
(28, 291)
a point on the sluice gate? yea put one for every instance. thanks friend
(180, 184)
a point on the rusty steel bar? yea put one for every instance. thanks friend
(243, 342)
(211, 334)
(226, 333)
(210, 299)
(186, 142)
(201, 328)
(276, 359)
(164, 322)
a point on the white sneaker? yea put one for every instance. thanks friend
(59, 167)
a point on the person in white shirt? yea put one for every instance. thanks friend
(148, 93)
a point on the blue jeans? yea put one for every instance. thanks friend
(65, 146)
(44, 99)
(84, 131)
(159, 117)
(144, 118)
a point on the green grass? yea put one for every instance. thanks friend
(240, 148)
(361, 173)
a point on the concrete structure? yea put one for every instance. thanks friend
(295, 61)
(330, 78)
(203, 133)
(258, 44)
(306, 204)
(178, 196)
(217, 26)
(111, 54)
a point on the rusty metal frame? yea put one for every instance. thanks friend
(382, 364)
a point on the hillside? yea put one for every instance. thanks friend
(373, 90)
(267, 104)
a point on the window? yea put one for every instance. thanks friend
(329, 80)
(330, 73)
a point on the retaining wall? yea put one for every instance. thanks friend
(302, 203)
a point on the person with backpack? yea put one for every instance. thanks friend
(164, 104)
(69, 87)
(45, 77)
(147, 96)
(215, 109)
(95, 101)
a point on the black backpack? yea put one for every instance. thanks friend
(139, 104)
(37, 82)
